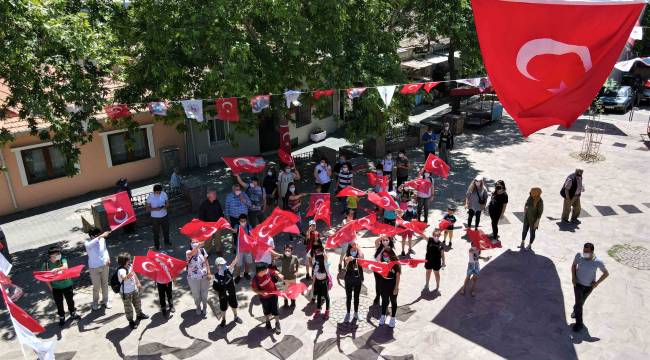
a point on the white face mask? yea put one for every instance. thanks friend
(56, 257)
(287, 253)
(389, 157)
(323, 164)
(270, 173)
(194, 245)
(385, 258)
(344, 169)
(292, 189)
(586, 255)
(237, 192)
(287, 170)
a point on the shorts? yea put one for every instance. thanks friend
(244, 257)
(432, 264)
(270, 305)
(228, 299)
(473, 269)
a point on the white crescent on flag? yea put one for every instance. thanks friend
(146, 264)
(123, 219)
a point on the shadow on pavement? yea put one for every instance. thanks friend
(579, 126)
(518, 311)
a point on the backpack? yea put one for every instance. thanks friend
(115, 282)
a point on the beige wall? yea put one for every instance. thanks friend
(94, 171)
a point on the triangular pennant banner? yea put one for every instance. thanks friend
(386, 93)
(193, 109)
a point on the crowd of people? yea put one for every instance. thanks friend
(251, 199)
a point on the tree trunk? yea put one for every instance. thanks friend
(451, 61)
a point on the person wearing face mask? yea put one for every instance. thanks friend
(224, 284)
(475, 200)
(344, 178)
(445, 143)
(257, 196)
(435, 257)
(353, 280)
(263, 284)
(571, 192)
(293, 199)
(379, 173)
(198, 275)
(387, 164)
(311, 236)
(583, 276)
(157, 203)
(245, 258)
(532, 214)
(403, 165)
(451, 218)
(211, 210)
(382, 243)
(389, 288)
(343, 161)
(60, 289)
(288, 265)
(497, 207)
(316, 250)
(323, 175)
(409, 214)
(237, 203)
(130, 290)
(429, 142)
(286, 177)
(270, 185)
(424, 198)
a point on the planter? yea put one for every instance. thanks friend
(318, 136)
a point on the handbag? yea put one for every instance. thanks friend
(480, 201)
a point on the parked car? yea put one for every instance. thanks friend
(621, 99)
(645, 93)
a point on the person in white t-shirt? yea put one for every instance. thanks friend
(157, 203)
(323, 175)
(130, 290)
(98, 266)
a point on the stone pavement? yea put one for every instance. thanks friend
(524, 298)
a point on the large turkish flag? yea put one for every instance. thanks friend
(204, 230)
(119, 210)
(58, 274)
(316, 200)
(247, 164)
(548, 59)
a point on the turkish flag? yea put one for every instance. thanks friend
(444, 224)
(292, 229)
(247, 164)
(324, 212)
(374, 180)
(481, 240)
(383, 200)
(117, 111)
(436, 166)
(415, 226)
(347, 233)
(411, 262)
(284, 152)
(204, 230)
(20, 315)
(293, 291)
(380, 268)
(170, 266)
(146, 267)
(350, 191)
(274, 224)
(419, 184)
(411, 88)
(430, 85)
(316, 200)
(319, 93)
(548, 60)
(365, 222)
(245, 241)
(58, 274)
(385, 229)
(227, 109)
(119, 210)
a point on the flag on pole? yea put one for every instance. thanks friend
(436, 165)
(386, 93)
(193, 109)
(284, 152)
(44, 350)
(248, 164)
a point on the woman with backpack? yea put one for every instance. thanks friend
(475, 200)
(353, 280)
(130, 290)
(224, 284)
(198, 275)
(60, 289)
(321, 284)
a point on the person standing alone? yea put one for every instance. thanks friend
(583, 275)
(157, 203)
(571, 192)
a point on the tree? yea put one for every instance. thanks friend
(55, 57)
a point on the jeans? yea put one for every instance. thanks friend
(199, 289)
(385, 298)
(131, 301)
(58, 295)
(471, 213)
(99, 279)
(426, 154)
(165, 295)
(581, 293)
(349, 290)
(423, 204)
(157, 224)
(525, 231)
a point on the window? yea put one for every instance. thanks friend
(122, 152)
(42, 164)
(121, 146)
(303, 115)
(216, 131)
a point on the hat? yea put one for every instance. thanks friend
(451, 207)
(220, 261)
(478, 178)
(312, 222)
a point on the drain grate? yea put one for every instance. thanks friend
(637, 257)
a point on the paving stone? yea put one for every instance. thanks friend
(631, 209)
(577, 137)
(606, 210)
(646, 205)
(557, 134)
(519, 215)
(618, 144)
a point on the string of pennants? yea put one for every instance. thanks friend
(228, 108)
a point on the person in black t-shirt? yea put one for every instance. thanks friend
(389, 288)
(435, 259)
(497, 206)
(224, 284)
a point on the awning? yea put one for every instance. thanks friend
(469, 91)
(416, 64)
(628, 64)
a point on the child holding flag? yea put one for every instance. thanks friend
(60, 289)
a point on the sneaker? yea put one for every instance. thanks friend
(133, 325)
(413, 252)
(357, 316)
(247, 276)
(529, 247)
(142, 316)
(316, 313)
(61, 321)
(326, 315)
(237, 278)
(347, 317)
(268, 325)
(238, 320)
(575, 221)
(277, 328)
(223, 322)
(522, 246)
(391, 323)
(108, 305)
(382, 320)
(75, 316)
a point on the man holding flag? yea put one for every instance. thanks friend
(98, 265)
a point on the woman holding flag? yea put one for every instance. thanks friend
(389, 287)
(293, 200)
(198, 275)
(424, 198)
(353, 280)
(382, 243)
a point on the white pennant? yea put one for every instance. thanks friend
(290, 96)
(193, 109)
(44, 350)
(386, 93)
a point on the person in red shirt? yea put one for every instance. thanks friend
(263, 284)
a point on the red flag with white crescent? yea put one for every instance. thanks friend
(119, 210)
(415, 226)
(227, 109)
(436, 165)
(374, 180)
(381, 268)
(292, 291)
(20, 315)
(481, 240)
(58, 274)
(350, 191)
(347, 233)
(171, 267)
(324, 212)
(411, 88)
(117, 111)
(444, 224)
(411, 262)
(546, 59)
(419, 184)
(146, 267)
(430, 85)
(320, 93)
(383, 200)
(204, 230)
(284, 152)
(245, 164)
(365, 222)
(385, 229)
(274, 224)
(316, 200)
